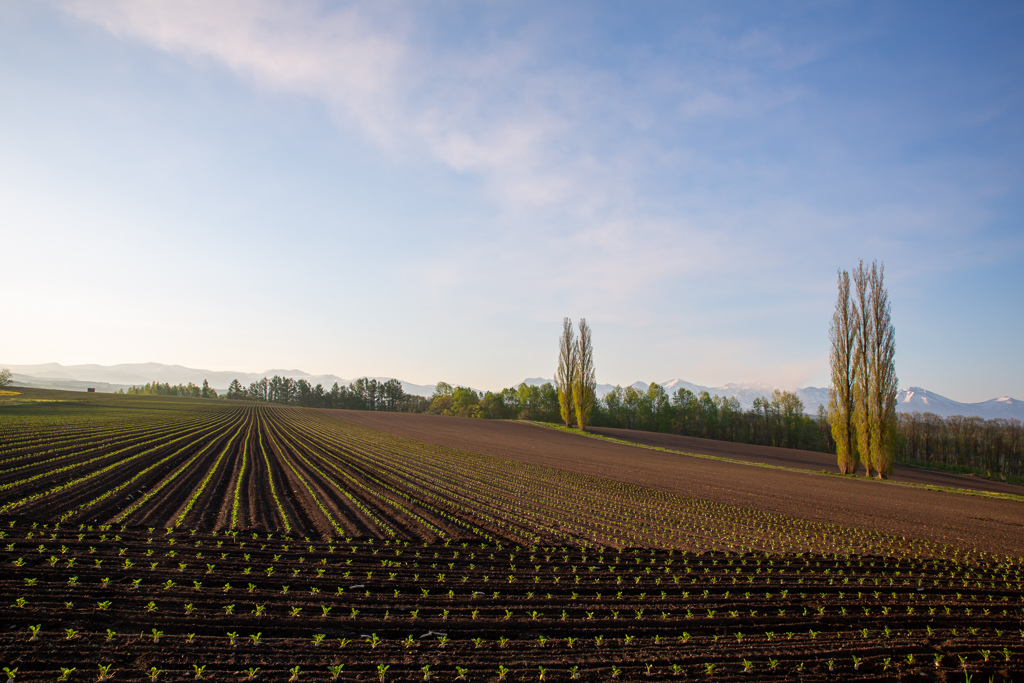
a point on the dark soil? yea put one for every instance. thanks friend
(888, 507)
(800, 459)
(136, 599)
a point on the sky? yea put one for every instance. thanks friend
(424, 190)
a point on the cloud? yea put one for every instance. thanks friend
(630, 172)
(538, 130)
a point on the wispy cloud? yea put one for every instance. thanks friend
(537, 133)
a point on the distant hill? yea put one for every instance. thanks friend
(108, 378)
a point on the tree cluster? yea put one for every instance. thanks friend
(575, 378)
(862, 399)
(361, 394)
(524, 402)
(5, 377)
(189, 390)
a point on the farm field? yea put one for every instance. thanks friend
(970, 521)
(170, 539)
(801, 459)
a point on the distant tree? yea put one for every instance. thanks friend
(392, 394)
(565, 375)
(493, 406)
(465, 403)
(236, 390)
(790, 410)
(443, 389)
(655, 408)
(528, 400)
(614, 408)
(843, 336)
(685, 402)
(5, 377)
(585, 388)
(303, 393)
(441, 405)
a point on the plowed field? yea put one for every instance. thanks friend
(884, 507)
(173, 539)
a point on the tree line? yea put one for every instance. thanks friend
(189, 390)
(361, 394)
(777, 420)
(992, 448)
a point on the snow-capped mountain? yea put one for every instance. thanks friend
(916, 399)
(909, 400)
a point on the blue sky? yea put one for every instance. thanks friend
(424, 190)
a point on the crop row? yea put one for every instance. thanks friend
(288, 470)
(77, 596)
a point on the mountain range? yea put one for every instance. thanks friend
(109, 378)
(913, 399)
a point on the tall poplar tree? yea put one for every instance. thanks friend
(840, 398)
(565, 376)
(861, 368)
(875, 383)
(883, 385)
(585, 388)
